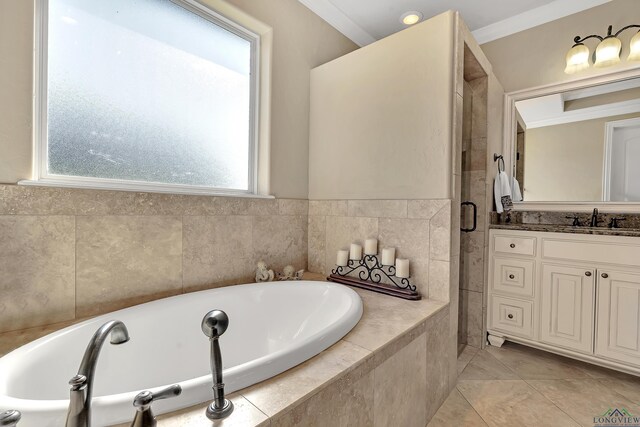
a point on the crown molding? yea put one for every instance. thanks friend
(597, 112)
(532, 18)
(341, 22)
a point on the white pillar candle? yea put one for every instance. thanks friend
(402, 268)
(355, 252)
(371, 247)
(388, 256)
(343, 258)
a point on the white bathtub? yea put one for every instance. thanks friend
(273, 327)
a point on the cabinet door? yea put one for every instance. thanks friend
(618, 335)
(567, 307)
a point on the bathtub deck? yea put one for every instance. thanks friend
(388, 325)
(404, 339)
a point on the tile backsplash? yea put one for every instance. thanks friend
(418, 229)
(67, 253)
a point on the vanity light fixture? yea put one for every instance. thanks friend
(607, 51)
(634, 54)
(411, 18)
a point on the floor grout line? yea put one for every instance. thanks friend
(508, 368)
(601, 381)
(551, 401)
(471, 405)
(529, 383)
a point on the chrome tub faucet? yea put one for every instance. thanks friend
(214, 324)
(79, 414)
(10, 418)
(144, 416)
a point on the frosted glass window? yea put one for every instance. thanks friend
(150, 91)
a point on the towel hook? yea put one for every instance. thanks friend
(500, 159)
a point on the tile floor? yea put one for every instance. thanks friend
(520, 386)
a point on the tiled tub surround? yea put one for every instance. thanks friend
(391, 369)
(67, 254)
(560, 222)
(418, 229)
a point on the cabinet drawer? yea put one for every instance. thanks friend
(597, 250)
(513, 276)
(512, 316)
(514, 245)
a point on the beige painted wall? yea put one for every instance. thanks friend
(16, 62)
(301, 41)
(564, 162)
(536, 56)
(381, 118)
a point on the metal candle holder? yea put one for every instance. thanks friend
(370, 275)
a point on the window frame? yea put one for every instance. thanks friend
(40, 174)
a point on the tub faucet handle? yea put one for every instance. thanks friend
(143, 400)
(10, 418)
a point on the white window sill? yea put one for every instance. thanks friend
(141, 187)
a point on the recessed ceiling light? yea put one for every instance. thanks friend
(410, 18)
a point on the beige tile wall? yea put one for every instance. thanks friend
(418, 229)
(67, 254)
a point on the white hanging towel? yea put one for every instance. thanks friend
(517, 194)
(502, 192)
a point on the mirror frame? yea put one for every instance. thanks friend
(509, 136)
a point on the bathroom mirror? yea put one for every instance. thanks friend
(577, 142)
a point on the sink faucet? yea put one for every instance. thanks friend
(594, 218)
(79, 414)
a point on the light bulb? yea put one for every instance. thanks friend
(577, 59)
(634, 54)
(411, 18)
(608, 52)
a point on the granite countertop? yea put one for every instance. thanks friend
(560, 222)
(557, 228)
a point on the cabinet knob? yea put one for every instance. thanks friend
(511, 276)
(588, 274)
(510, 316)
(512, 246)
(605, 275)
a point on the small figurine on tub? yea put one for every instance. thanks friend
(290, 273)
(263, 274)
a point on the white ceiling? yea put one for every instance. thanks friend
(365, 21)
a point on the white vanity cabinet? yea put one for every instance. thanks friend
(572, 294)
(567, 306)
(618, 333)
